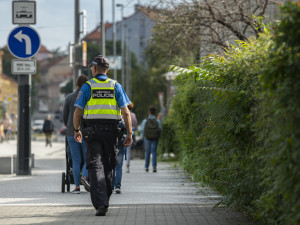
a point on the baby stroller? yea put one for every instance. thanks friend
(67, 177)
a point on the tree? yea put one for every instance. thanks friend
(189, 30)
(6, 63)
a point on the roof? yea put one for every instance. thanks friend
(43, 49)
(95, 34)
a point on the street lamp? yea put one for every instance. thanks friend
(122, 44)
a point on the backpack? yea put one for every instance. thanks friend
(152, 131)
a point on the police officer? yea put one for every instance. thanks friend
(101, 101)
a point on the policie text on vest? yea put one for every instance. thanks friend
(103, 94)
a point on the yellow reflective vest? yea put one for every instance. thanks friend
(103, 103)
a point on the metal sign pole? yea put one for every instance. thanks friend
(24, 131)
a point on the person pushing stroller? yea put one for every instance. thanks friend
(76, 147)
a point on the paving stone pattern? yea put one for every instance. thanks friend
(165, 197)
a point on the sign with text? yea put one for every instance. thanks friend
(24, 12)
(19, 66)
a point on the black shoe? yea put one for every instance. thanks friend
(76, 191)
(154, 170)
(85, 183)
(101, 211)
(118, 190)
(147, 170)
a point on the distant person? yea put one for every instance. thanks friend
(134, 126)
(48, 129)
(1, 132)
(151, 129)
(78, 150)
(7, 123)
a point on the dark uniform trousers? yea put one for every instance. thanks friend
(100, 161)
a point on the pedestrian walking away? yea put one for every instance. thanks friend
(7, 123)
(48, 129)
(134, 126)
(78, 150)
(151, 129)
(101, 101)
(117, 172)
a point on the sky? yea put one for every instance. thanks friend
(55, 19)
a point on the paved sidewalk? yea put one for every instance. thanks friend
(158, 214)
(166, 197)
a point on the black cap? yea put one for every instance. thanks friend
(100, 60)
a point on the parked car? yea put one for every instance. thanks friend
(37, 126)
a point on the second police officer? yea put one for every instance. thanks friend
(101, 101)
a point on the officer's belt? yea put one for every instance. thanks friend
(101, 124)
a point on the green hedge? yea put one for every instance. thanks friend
(236, 121)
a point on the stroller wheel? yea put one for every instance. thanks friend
(68, 187)
(68, 181)
(63, 180)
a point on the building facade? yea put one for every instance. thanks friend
(137, 31)
(8, 93)
(54, 72)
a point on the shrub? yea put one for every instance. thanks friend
(237, 122)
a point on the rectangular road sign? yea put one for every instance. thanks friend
(24, 12)
(19, 66)
(115, 63)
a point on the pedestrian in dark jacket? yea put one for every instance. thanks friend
(78, 150)
(48, 129)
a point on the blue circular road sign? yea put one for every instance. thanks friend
(23, 42)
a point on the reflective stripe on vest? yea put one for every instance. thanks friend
(103, 103)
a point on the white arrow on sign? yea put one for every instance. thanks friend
(19, 36)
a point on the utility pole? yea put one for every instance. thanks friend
(114, 37)
(102, 29)
(122, 45)
(77, 49)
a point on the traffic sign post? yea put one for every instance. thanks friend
(24, 12)
(24, 42)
